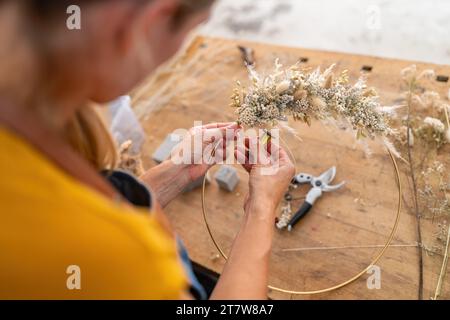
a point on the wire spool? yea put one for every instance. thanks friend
(339, 285)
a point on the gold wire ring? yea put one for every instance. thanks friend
(338, 286)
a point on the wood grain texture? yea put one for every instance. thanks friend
(197, 86)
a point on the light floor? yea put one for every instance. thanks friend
(406, 29)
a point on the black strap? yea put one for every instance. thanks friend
(129, 187)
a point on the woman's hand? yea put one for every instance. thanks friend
(269, 177)
(199, 150)
(206, 146)
(245, 275)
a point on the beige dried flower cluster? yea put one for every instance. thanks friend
(430, 127)
(434, 127)
(433, 131)
(310, 95)
(129, 162)
(285, 216)
(436, 124)
(427, 122)
(434, 193)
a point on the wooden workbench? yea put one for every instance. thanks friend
(197, 86)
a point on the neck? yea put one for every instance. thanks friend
(25, 123)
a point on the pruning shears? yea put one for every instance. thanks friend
(319, 185)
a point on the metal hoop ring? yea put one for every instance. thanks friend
(340, 285)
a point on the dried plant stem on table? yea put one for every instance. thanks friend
(426, 129)
(413, 178)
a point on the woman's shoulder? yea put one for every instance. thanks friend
(51, 222)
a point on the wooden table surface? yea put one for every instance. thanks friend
(197, 86)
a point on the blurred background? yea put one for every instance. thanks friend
(404, 29)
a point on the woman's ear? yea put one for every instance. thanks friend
(158, 14)
(143, 19)
(155, 33)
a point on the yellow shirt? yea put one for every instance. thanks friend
(61, 240)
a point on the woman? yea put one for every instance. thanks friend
(67, 232)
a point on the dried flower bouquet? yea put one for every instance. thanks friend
(306, 95)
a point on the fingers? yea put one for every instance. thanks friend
(247, 152)
(253, 149)
(220, 125)
(243, 159)
(221, 151)
(273, 149)
(226, 131)
(216, 125)
(257, 145)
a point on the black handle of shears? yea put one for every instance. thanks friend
(303, 211)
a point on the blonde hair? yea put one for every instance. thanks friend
(88, 135)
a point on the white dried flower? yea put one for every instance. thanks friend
(286, 214)
(427, 74)
(391, 111)
(307, 96)
(431, 99)
(283, 86)
(417, 103)
(434, 123)
(409, 74)
(443, 107)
